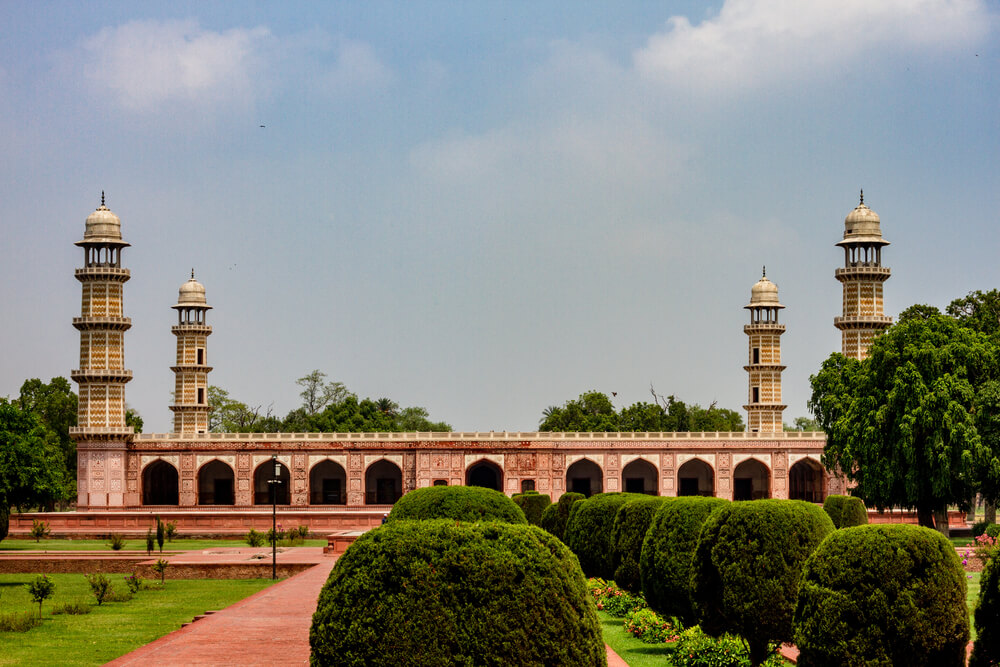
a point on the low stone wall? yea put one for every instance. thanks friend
(956, 519)
(195, 523)
(143, 566)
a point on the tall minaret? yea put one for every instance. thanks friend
(862, 277)
(191, 372)
(764, 408)
(101, 434)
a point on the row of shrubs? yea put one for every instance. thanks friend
(775, 571)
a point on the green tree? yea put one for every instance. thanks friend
(31, 465)
(901, 424)
(54, 404)
(593, 411)
(803, 424)
(228, 415)
(317, 393)
(979, 311)
(133, 419)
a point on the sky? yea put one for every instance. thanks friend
(485, 208)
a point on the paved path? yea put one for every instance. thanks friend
(268, 628)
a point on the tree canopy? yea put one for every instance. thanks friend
(593, 411)
(902, 424)
(327, 407)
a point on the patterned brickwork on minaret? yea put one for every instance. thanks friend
(101, 434)
(862, 277)
(191, 372)
(764, 367)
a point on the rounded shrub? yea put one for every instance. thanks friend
(631, 523)
(589, 528)
(532, 504)
(555, 516)
(986, 650)
(667, 550)
(746, 568)
(833, 505)
(882, 595)
(461, 503)
(441, 592)
(853, 513)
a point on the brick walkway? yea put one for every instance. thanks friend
(268, 628)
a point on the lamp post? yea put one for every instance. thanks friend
(273, 483)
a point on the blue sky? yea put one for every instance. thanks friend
(489, 208)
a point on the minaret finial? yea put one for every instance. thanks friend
(102, 197)
(862, 197)
(763, 272)
(192, 273)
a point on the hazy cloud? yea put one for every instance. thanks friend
(757, 42)
(357, 67)
(147, 63)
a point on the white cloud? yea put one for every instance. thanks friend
(144, 64)
(757, 42)
(357, 67)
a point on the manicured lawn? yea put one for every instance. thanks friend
(114, 628)
(631, 650)
(179, 544)
(971, 598)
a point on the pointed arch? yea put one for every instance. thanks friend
(216, 481)
(383, 483)
(262, 489)
(805, 481)
(640, 476)
(327, 483)
(159, 483)
(696, 477)
(484, 473)
(585, 476)
(751, 480)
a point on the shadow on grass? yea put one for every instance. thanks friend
(651, 650)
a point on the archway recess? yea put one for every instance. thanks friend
(327, 484)
(262, 490)
(805, 481)
(159, 484)
(640, 476)
(383, 483)
(215, 484)
(695, 478)
(585, 477)
(751, 481)
(486, 474)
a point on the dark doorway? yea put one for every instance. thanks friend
(640, 477)
(696, 478)
(751, 481)
(585, 477)
(383, 483)
(327, 484)
(485, 474)
(262, 490)
(159, 484)
(805, 481)
(215, 484)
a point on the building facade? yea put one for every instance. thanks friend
(195, 469)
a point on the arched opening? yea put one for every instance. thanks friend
(262, 489)
(440, 482)
(695, 478)
(486, 474)
(527, 485)
(751, 481)
(639, 476)
(215, 484)
(383, 483)
(585, 477)
(327, 484)
(805, 481)
(159, 484)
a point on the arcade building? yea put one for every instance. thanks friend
(220, 480)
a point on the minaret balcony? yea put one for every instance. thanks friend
(113, 273)
(863, 270)
(190, 407)
(191, 368)
(179, 329)
(764, 327)
(759, 407)
(87, 375)
(102, 323)
(863, 322)
(764, 367)
(101, 432)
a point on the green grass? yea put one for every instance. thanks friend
(961, 541)
(179, 544)
(114, 628)
(630, 649)
(971, 598)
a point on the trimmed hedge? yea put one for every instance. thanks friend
(846, 511)
(746, 568)
(631, 523)
(532, 503)
(986, 650)
(882, 595)
(441, 592)
(588, 531)
(665, 563)
(461, 503)
(555, 516)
